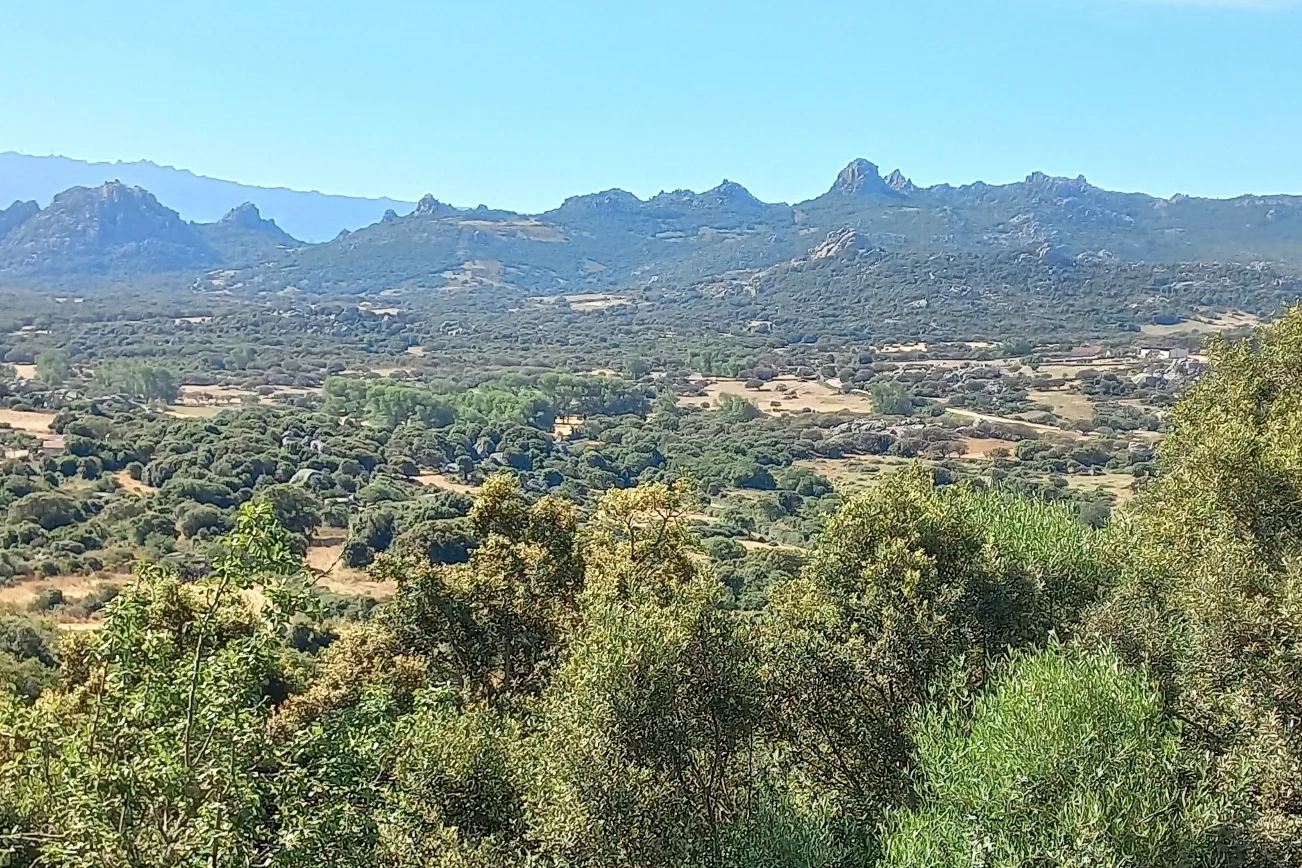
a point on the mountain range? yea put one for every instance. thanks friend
(310, 216)
(613, 239)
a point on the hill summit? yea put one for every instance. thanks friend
(107, 229)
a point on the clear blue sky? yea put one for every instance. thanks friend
(519, 104)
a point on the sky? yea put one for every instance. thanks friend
(520, 104)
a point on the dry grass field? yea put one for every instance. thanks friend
(135, 486)
(32, 422)
(324, 559)
(1066, 403)
(784, 395)
(1207, 324)
(438, 480)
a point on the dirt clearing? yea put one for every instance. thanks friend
(135, 486)
(438, 480)
(1066, 404)
(31, 421)
(784, 395)
(325, 559)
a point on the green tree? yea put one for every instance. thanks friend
(891, 399)
(150, 752)
(52, 368)
(494, 623)
(294, 507)
(641, 756)
(49, 509)
(139, 379)
(910, 583)
(1066, 762)
(1210, 598)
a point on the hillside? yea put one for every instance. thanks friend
(308, 215)
(244, 235)
(614, 239)
(111, 229)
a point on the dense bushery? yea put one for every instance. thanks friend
(952, 675)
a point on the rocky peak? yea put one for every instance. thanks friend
(606, 200)
(247, 216)
(107, 228)
(900, 184)
(1057, 186)
(15, 214)
(429, 206)
(731, 191)
(859, 178)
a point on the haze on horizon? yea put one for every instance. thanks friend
(519, 107)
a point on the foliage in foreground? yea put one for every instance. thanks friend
(955, 678)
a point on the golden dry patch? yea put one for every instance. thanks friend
(784, 394)
(135, 486)
(1236, 319)
(1070, 370)
(204, 402)
(1066, 403)
(78, 626)
(416, 351)
(193, 320)
(1207, 323)
(325, 560)
(754, 545)
(857, 473)
(438, 480)
(1014, 423)
(596, 301)
(1121, 485)
(197, 395)
(474, 272)
(30, 421)
(919, 347)
(24, 591)
(584, 301)
(25, 372)
(979, 448)
(191, 411)
(564, 425)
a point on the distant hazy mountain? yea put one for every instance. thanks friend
(615, 240)
(309, 216)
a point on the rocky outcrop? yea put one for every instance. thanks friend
(900, 184)
(428, 206)
(862, 178)
(16, 214)
(247, 216)
(111, 228)
(843, 243)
